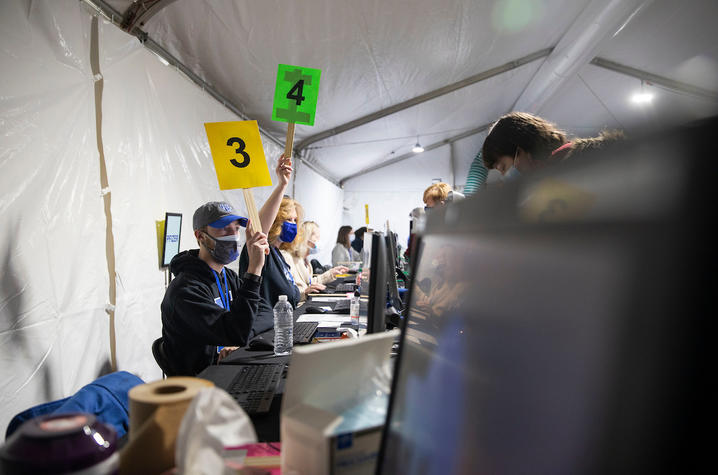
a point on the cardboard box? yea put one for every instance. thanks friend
(321, 379)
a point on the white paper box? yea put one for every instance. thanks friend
(321, 378)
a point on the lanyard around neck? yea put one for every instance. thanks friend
(285, 268)
(224, 297)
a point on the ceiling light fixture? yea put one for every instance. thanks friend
(417, 148)
(162, 60)
(643, 97)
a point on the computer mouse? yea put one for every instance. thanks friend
(313, 309)
(260, 344)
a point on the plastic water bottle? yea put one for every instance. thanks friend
(283, 327)
(354, 309)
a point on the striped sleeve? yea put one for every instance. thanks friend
(477, 175)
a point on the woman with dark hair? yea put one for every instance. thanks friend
(343, 251)
(526, 142)
(358, 242)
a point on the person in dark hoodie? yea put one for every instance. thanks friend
(207, 305)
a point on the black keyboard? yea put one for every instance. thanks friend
(304, 331)
(345, 287)
(341, 306)
(253, 388)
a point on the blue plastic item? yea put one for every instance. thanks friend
(106, 397)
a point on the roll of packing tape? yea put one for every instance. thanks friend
(156, 412)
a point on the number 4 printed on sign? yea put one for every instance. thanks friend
(295, 93)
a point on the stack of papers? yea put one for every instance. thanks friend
(325, 319)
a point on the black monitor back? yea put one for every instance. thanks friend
(558, 324)
(376, 321)
(391, 272)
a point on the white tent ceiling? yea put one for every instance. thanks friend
(375, 54)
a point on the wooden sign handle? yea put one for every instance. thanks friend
(254, 223)
(289, 145)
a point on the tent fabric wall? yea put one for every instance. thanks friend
(322, 203)
(54, 328)
(158, 161)
(54, 332)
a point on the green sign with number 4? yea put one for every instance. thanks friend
(295, 97)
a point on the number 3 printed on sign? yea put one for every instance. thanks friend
(239, 150)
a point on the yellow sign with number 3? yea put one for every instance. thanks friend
(238, 154)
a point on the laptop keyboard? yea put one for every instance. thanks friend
(253, 388)
(345, 287)
(341, 306)
(304, 331)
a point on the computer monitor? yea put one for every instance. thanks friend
(366, 249)
(171, 240)
(559, 323)
(373, 283)
(391, 270)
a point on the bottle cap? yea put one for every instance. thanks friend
(282, 298)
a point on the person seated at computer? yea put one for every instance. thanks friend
(297, 255)
(343, 251)
(436, 195)
(358, 241)
(446, 287)
(522, 142)
(207, 305)
(276, 277)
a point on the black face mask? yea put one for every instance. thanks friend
(226, 248)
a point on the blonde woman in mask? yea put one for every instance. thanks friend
(276, 277)
(297, 256)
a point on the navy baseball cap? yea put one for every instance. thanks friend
(217, 214)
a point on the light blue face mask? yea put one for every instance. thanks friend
(512, 174)
(313, 250)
